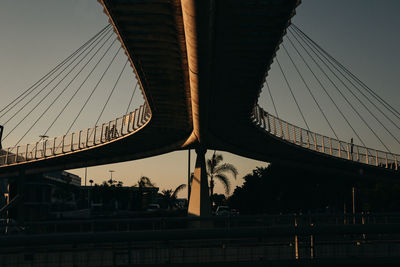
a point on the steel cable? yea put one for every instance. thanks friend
(58, 96)
(32, 88)
(291, 91)
(54, 87)
(341, 93)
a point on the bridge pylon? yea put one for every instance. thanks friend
(199, 202)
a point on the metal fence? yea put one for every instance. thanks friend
(323, 144)
(212, 240)
(76, 141)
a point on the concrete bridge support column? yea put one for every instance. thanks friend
(199, 203)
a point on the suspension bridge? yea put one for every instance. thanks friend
(184, 55)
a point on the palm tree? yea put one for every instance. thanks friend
(170, 197)
(218, 170)
(145, 182)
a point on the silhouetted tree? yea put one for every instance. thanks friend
(170, 197)
(218, 170)
(285, 189)
(218, 200)
(144, 182)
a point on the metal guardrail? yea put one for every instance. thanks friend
(323, 144)
(336, 221)
(211, 240)
(83, 139)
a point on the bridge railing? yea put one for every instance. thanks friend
(76, 141)
(323, 144)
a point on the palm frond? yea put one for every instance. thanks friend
(225, 182)
(217, 158)
(226, 167)
(178, 189)
(209, 166)
(145, 182)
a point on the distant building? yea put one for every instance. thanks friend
(107, 200)
(41, 194)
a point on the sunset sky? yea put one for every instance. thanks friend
(37, 35)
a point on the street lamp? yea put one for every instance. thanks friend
(111, 172)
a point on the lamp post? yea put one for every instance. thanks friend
(111, 180)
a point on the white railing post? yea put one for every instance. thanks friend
(26, 152)
(308, 139)
(348, 151)
(386, 158)
(8, 151)
(139, 116)
(340, 149)
(136, 114)
(301, 137)
(330, 146)
(143, 114)
(376, 158)
(79, 139)
(122, 123)
(395, 163)
(316, 142)
(366, 156)
(54, 146)
(323, 144)
(87, 137)
(44, 148)
(294, 135)
(288, 133)
(16, 155)
(36, 149)
(102, 133)
(280, 123)
(358, 154)
(263, 118)
(72, 142)
(94, 135)
(63, 140)
(129, 123)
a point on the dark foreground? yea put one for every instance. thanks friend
(292, 240)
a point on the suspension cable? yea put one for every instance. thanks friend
(130, 101)
(80, 86)
(359, 100)
(291, 91)
(112, 91)
(272, 99)
(329, 59)
(33, 87)
(341, 93)
(309, 90)
(83, 51)
(326, 91)
(94, 89)
(367, 88)
(58, 96)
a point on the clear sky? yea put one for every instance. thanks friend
(37, 35)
